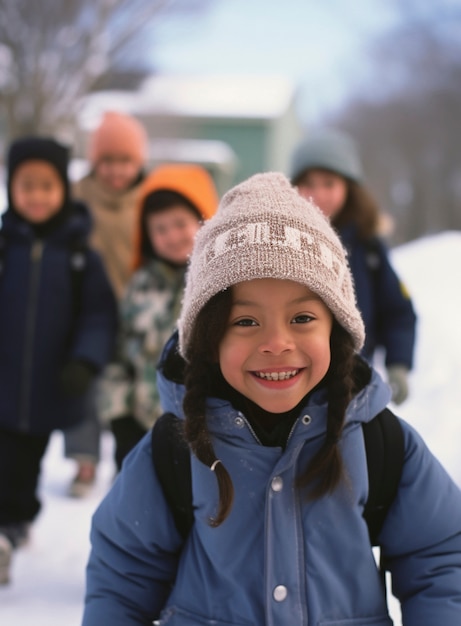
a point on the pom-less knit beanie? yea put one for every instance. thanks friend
(189, 180)
(118, 133)
(265, 229)
(326, 149)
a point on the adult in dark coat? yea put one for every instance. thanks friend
(57, 323)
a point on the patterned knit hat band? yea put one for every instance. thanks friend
(264, 229)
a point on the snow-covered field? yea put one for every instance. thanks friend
(48, 575)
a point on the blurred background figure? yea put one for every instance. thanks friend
(326, 167)
(117, 154)
(57, 325)
(174, 201)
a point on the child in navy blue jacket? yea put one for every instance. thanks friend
(57, 325)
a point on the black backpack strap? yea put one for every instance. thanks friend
(78, 261)
(2, 252)
(384, 444)
(373, 256)
(171, 457)
(385, 449)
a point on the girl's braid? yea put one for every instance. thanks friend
(202, 357)
(326, 468)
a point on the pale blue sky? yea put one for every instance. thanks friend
(320, 45)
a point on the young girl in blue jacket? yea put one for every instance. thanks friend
(326, 167)
(272, 393)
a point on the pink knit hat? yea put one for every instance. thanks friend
(118, 133)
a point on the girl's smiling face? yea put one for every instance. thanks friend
(276, 347)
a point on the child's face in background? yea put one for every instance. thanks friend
(277, 344)
(172, 232)
(327, 190)
(117, 172)
(37, 191)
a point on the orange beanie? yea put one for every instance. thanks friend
(118, 133)
(191, 181)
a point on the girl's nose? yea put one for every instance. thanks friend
(276, 340)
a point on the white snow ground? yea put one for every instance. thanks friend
(48, 575)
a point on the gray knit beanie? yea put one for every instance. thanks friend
(327, 149)
(265, 229)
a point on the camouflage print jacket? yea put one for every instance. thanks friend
(148, 314)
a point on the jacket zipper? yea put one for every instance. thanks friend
(250, 428)
(292, 430)
(256, 437)
(36, 253)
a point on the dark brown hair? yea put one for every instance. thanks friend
(325, 470)
(360, 208)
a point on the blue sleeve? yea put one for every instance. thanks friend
(421, 539)
(94, 339)
(396, 317)
(134, 548)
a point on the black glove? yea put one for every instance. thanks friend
(76, 377)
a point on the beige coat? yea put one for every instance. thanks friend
(113, 233)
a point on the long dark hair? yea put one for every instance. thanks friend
(361, 209)
(325, 470)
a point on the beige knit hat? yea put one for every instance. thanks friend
(265, 229)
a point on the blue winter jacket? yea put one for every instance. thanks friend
(277, 560)
(42, 327)
(386, 308)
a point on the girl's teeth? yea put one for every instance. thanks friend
(277, 375)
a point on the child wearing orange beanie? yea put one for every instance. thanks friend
(117, 152)
(174, 202)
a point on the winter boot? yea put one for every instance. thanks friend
(84, 480)
(6, 552)
(17, 533)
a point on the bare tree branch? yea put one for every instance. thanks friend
(406, 120)
(53, 52)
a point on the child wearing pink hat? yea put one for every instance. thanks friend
(117, 152)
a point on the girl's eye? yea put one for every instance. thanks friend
(302, 319)
(245, 322)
